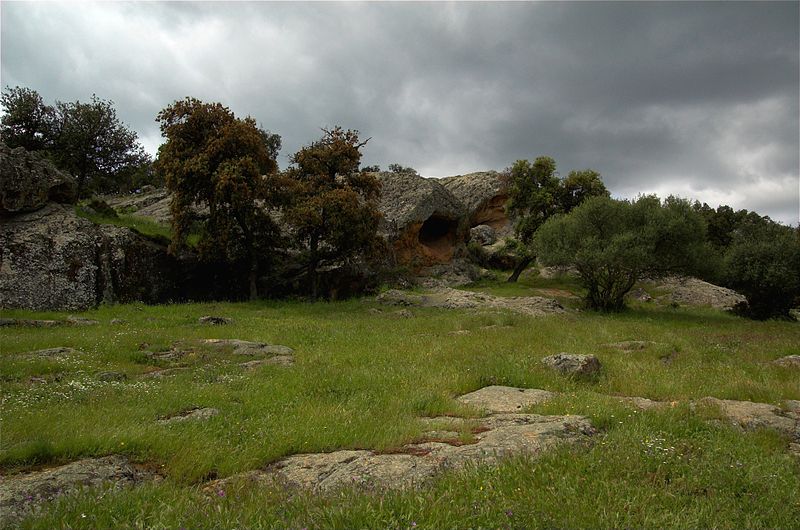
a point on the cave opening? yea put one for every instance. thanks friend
(438, 235)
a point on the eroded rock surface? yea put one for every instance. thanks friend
(456, 299)
(499, 399)
(415, 464)
(22, 492)
(483, 195)
(749, 415)
(198, 414)
(245, 347)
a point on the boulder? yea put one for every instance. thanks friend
(483, 195)
(572, 364)
(29, 181)
(694, 292)
(483, 235)
(214, 320)
(422, 219)
(51, 259)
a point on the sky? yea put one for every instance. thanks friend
(698, 100)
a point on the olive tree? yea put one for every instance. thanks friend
(612, 244)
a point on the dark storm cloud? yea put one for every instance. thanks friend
(696, 99)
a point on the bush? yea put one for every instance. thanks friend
(763, 263)
(613, 244)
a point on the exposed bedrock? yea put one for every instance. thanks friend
(423, 220)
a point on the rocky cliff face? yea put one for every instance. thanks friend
(51, 259)
(484, 195)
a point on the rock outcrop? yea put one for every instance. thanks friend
(28, 182)
(573, 365)
(483, 196)
(422, 219)
(448, 298)
(53, 259)
(695, 292)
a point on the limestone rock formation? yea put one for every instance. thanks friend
(28, 181)
(421, 217)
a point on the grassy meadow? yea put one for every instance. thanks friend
(363, 378)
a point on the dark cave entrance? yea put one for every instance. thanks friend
(438, 235)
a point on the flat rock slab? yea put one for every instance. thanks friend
(415, 464)
(214, 320)
(60, 351)
(749, 415)
(498, 399)
(80, 321)
(630, 345)
(645, 403)
(166, 372)
(23, 492)
(790, 361)
(279, 360)
(198, 414)
(448, 298)
(244, 347)
(30, 323)
(572, 364)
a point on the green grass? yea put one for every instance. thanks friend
(362, 379)
(142, 225)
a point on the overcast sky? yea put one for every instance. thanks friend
(694, 99)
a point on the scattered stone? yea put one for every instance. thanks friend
(280, 360)
(111, 376)
(214, 320)
(449, 298)
(169, 355)
(80, 321)
(497, 399)
(118, 321)
(459, 332)
(198, 414)
(404, 313)
(23, 492)
(244, 347)
(630, 345)
(790, 361)
(573, 364)
(374, 311)
(30, 323)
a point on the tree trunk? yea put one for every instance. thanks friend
(521, 266)
(253, 278)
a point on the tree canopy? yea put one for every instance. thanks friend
(212, 159)
(536, 193)
(332, 211)
(86, 140)
(613, 244)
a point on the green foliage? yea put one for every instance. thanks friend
(536, 193)
(86, 140)
(332, 209)
(142, 225)
(27, 121)
(213, 159)
(399, 168)
(613, 244)
(762, 262)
